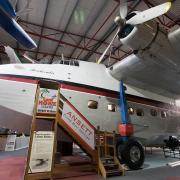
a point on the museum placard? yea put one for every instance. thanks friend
(41, 152)
(10, 143)
(47, 101)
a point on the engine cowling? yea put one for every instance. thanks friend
(140, 36)
(174, 38)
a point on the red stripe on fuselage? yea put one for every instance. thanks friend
(19, 79)
(98, 91)
(80, 114)
(90, 91)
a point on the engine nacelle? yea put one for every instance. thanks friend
(174, 38)
(140, 36)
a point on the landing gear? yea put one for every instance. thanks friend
(131, 153)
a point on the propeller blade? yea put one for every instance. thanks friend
(104, 53)
(149, 14)
(123, 9)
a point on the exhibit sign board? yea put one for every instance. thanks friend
(3, 140)
(41, 151)
(78, 124)
(10, 143)
(47, 101)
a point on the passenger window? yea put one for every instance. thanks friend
(130, 111)
(92, 104)
(163, 114)
(139, 112)
(112, 107)
(153, 112)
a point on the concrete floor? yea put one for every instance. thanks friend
(156, 159)
(155, 167)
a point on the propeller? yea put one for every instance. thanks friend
(149, 14)
(138, 18)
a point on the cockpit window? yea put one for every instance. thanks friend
(70, 62)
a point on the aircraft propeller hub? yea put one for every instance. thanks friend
(119, 21)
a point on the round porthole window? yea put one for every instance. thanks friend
(130, 111)
(153, 112)
(139, 112)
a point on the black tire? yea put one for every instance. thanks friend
(119, 148)
(131, 153)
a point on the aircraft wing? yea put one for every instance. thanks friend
(156, 69)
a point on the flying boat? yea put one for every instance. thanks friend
(150, 75)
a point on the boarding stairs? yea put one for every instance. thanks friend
(99, 145)
(108, 163)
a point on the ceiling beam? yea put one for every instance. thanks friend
(42, 28)
(89, 26)
(39, 52)
(65, 43)
(22, 22)
(107, 18)
(65, 29)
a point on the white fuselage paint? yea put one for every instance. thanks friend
(19, 96)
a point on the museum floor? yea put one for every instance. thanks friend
(155, 167)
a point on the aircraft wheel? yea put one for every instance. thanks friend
(131, 153)
(119, 149)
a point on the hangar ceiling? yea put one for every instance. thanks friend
(79, 29)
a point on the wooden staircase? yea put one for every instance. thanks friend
(99, 145)
(108, 164)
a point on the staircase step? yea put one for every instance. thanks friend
(45, 117)
(107, 160)
(114, 172)
(110, 166)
